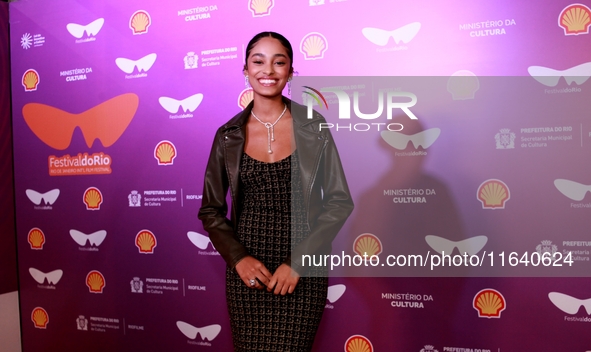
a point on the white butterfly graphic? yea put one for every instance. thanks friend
(188, 104)
(52, 277)
(403, 34)
(571, 189)
(48, 197)
(550, 77)
(569, 304)
(335, 292)
(143, 64)
(95, 238)
(469, 245)
(207, 332)
(199, 240)
(400, 140)
(92, 28)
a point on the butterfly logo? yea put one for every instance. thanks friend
(550, 77)
(381, 37)
(106, 121)
(469, 245)
(335, 292)
(95, 238)
(571, 189)
(52, 277)
(400, 141)
(48, 197)
(189, 104)
(568, 304)
(208, 333)
(91, 29)
(143, 64)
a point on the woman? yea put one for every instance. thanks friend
(289, 198)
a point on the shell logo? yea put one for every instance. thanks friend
(358, 343)
(489, 303)
(93, 198)
(30, 80)
(95, 281)
(139, 22)
(313, 46)
(36, 238)
(165, 152)
(260, 8)
(145, 241)
(367, 244)
(493, 194)
(245, 97)
(575, 19)
(40, 318)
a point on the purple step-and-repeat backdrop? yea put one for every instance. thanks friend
(115, 105)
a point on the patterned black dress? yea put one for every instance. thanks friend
(272, 221)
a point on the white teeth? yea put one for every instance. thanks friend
(267, 81)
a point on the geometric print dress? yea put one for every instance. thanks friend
(273, 220)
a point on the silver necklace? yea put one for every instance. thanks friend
(270, 128)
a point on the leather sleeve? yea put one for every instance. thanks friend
(336, 206)
(214, 208)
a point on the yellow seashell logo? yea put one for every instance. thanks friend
(95, 281)
(36, 238)
(139, 22)
(260, 8)
(575, 19)
(40, 318)
(358, 343)
(493, 194)
(30, 80)
(489, 303)
(367, 244)
(245, 98)
(93, 198)
(313, 46)
(165, 152)
(145, 241)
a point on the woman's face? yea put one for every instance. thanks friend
(268, 67)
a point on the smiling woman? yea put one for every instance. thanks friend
(289, 195)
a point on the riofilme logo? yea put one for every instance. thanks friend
(358, 343)
(90, 29)
(207, 333)
(367, 244)
(139, 22)
(105, 122)
(52, 277)
(244, 98)
(95, 282)
(145, 241)
(313, 46)
(36, 238)
(40, 318)
(165, 152)
(260, 8)
(381, 37)
(493, 194)
(489, 303)
(423, 139)
(575, 19)
(93, 198)
(30, 80)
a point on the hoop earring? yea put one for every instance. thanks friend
(246, 82)
(289, 86)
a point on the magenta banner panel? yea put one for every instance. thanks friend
(115, 105)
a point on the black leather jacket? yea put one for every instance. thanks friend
(326, 194)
